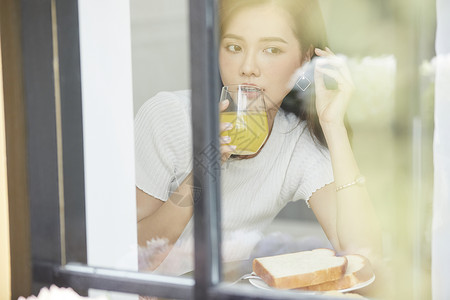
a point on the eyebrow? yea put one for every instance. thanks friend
(264, 39)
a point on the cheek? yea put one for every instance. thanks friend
(281, 74)
(284, 70)
(226, 67)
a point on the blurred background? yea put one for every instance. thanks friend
(390, 50)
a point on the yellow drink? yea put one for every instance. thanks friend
(249, 132)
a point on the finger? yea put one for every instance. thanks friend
(225, 126)
(321, 52)
(332, 73)
(223, 105)
(224, 157)
(324, 52)
(337, 64)
(342, 82)
(332, 60)
(226, 151)
(225, 140)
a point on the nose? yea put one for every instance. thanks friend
(249, 66)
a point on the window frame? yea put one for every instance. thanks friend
(53, 100)
(52, 85)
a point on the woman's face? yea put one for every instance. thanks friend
(259, 47)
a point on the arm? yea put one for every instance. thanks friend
(347, 215)
(356, 223)
(157, 218)
(146, 204)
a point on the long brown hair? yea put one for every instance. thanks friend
(309, 27)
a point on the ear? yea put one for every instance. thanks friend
(308, 54)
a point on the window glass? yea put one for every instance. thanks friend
(332, 123)
(137, 141)
(163, 139)
(389, 123)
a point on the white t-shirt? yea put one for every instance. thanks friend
(290, 167)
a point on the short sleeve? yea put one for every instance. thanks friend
(163, 144)
(309, 169)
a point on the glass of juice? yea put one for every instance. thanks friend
(247, 112)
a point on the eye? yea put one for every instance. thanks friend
(272, 50)
(234, 48)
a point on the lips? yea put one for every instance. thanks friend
(252, 84)
(250, 91)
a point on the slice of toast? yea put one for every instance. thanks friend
(300, 269)
(358, 270)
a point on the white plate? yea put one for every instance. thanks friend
(259, 283)
(359, 285)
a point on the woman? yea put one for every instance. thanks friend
(307, 155)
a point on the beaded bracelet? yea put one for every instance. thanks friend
(359, 180)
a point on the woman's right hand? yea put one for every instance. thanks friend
(225, 148)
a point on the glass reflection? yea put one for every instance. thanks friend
(161, 62)
(282, 47)
(291, 51)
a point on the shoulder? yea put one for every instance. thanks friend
(309, 150)
(305, 142)
(289, 123)
(298, 132)
(298, 142)
(308, 154)
(164, 111)
(163, 138)
(165, 102)
(165, 120)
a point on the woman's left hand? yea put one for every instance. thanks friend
(331, 104)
